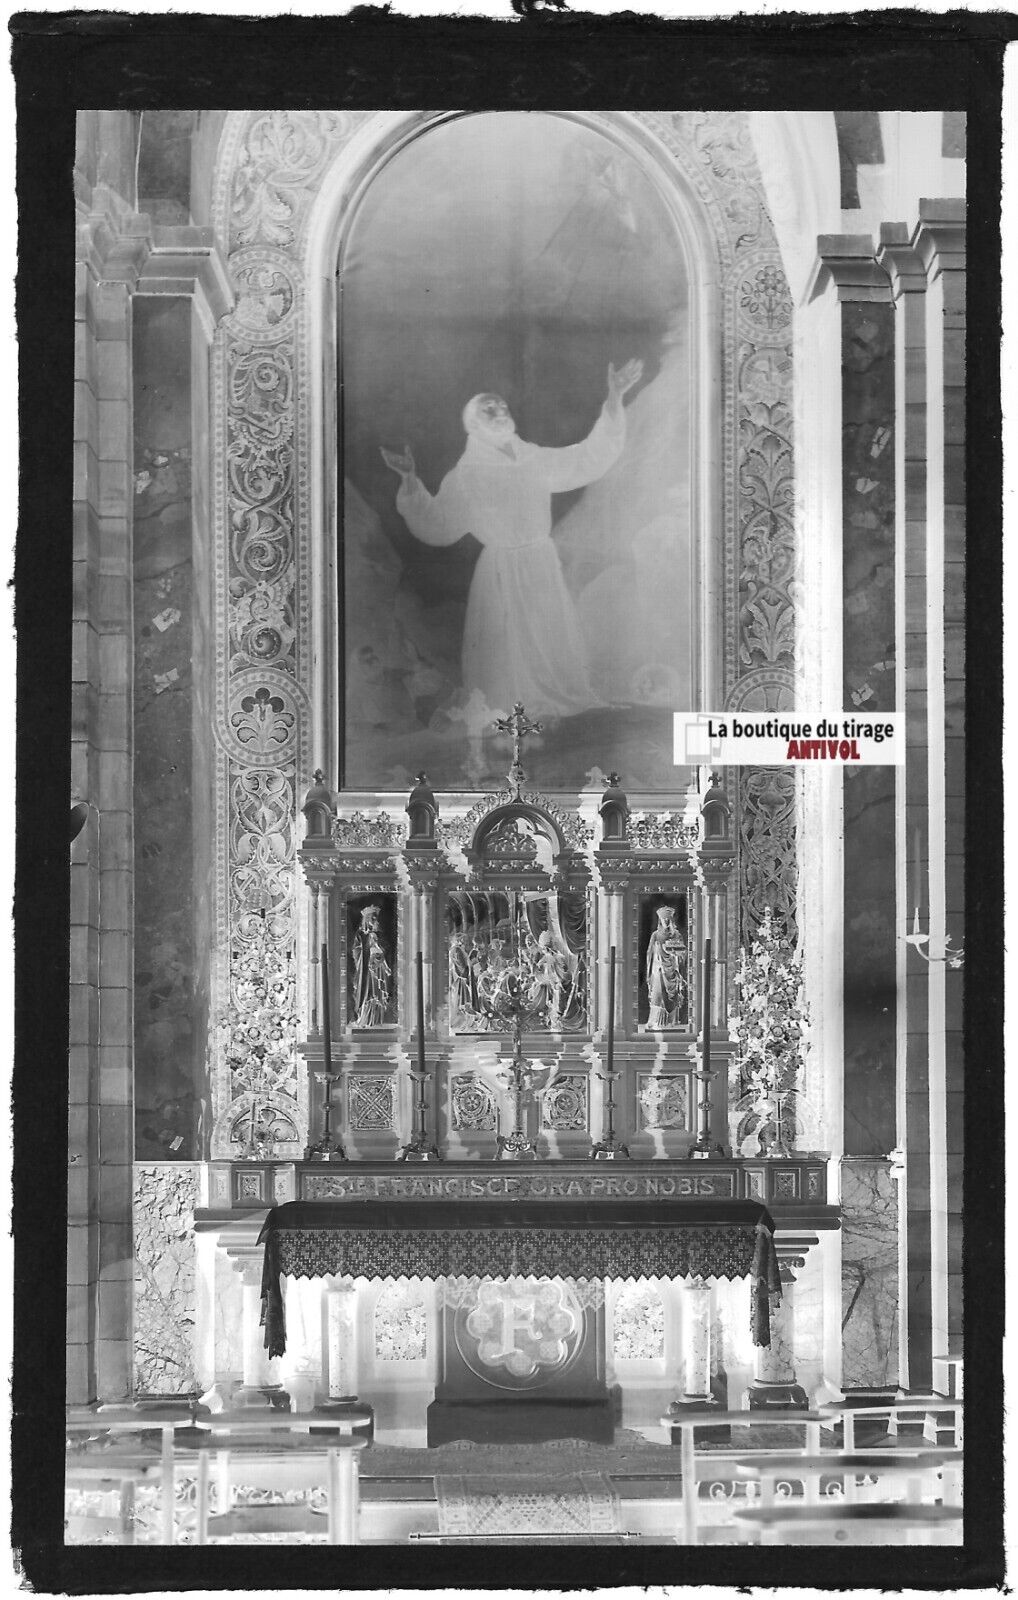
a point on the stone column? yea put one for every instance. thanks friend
(775, 1383)
(861, 681)
(112, 243)
(818, 476)
(696, 1321)
(939, 240)
(257, 1370)
(339, 1341)
(926, 265)
(908, 284)
(182, 292)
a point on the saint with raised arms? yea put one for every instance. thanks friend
(521, 639)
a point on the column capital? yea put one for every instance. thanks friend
(188, 261)
(900, 260)
(249, 1267)
(849, 262)
(112, 239)
(939, 236)
(791, 1250)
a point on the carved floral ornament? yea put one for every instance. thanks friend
(666, 830)
(564, 1103)
(467, 830)
(269, 180)
(380, 832)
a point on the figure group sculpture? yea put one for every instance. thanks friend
(482, 978)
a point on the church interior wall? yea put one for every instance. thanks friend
(204, 488)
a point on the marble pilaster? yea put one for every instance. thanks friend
(869, 1274)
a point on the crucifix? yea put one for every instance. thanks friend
(518, 726)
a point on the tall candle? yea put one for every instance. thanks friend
(611, 1009)
(420, 1012)
(326, 1031)
(916, 900)
(706, 1006)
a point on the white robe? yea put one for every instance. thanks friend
(521, 639)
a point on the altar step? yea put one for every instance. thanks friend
(528, 1538)
(416, 1522)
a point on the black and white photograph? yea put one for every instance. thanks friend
(489, 1122)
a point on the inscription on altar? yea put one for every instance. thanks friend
(518, 1186)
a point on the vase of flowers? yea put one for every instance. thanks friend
(771, 1029)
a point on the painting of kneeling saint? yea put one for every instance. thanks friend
(516, 950)
(515, 370)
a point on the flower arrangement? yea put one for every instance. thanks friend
(771, 1026)
(259, 1032)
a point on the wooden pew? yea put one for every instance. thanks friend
(867, 1524)
(120, 1419)
(922, 1473)
(115, 1471)
(688, 1421)
(240, 1458)
(929, 1407)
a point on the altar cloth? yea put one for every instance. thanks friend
(489, 1503)
(576, 1240)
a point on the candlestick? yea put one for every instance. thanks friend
(419, 1149)
(421, 1066)
(916, 893)
(606, 1148)
(611, 1009)
(325, 1150)
(702, 1147)
(326, 1026)
(706, 1006)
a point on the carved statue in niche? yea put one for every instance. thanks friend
(532, 944)
(371, 945)
(664, 988)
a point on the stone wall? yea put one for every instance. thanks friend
(165, 1197)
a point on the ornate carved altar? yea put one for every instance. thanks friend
(507, 993)
(511, 908)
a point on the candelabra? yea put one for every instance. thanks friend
(522, 1078)
(517, 1078)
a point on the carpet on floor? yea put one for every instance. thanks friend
(631, 1455)
(488, 1505)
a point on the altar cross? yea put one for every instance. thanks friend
(518, 726)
